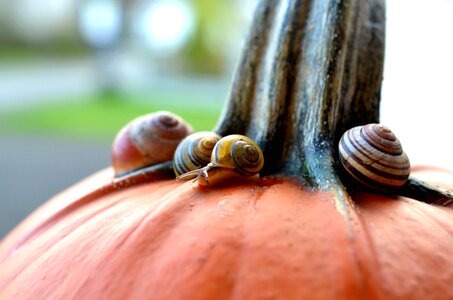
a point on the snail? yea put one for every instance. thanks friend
(194, 152)
(236, 153)
(374, 156)
(147, 140)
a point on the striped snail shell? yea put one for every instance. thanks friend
(233, 152)
(238, 152)
(194, 152)
(374, 156)
(147, 140)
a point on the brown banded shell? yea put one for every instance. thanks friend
(147, 140)
(233, 155)
(374, 156)
(194, 152)
(238, 152)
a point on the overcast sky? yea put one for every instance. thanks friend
(417, 98)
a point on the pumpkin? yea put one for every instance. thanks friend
(267, 239)
(301, 231)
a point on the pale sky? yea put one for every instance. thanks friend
(417, 100)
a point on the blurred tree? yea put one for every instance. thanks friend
(206, 51)
(30, 28)
(103, 25)
(52, 28)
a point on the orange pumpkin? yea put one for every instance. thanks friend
(309, 72)
(267, 239)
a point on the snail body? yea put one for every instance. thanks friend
(236, 153)
(194, 152)
(373, 155)
(147, 140)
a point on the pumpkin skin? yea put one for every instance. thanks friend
(264, 239)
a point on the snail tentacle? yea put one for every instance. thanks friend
(197, 174)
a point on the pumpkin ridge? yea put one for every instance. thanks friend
(203, 203)
(414, 206)
(86, 185)
(365, 260)
(136, 236)
(355, 283)
(30, 265)
(55, 204)
(35, 262)
(41, 230)
(61, 236)
(408, 245)
(156, 213)
(257, 194)
(95, 195)
(368, 264)
(60, 214)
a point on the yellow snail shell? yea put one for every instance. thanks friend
(194, 152)
(238, 152)
(374, 156)
(235, 152)
(147, 140)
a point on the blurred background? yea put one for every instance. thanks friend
(72, 73)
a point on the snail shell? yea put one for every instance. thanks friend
(147, 140)
(236, 153)
(374, 156)
(194, 152)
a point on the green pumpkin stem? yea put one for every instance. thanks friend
(310, 70)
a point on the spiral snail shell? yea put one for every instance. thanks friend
(194, 152)
(238, 152)
(147, 140)
(374, 156)
(235, 152)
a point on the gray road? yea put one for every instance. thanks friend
(33, 169)
(26, 83)
(31, 83)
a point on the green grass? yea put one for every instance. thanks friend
(102, 117)
(24, 52)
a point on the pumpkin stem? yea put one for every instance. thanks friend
(310, 70)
